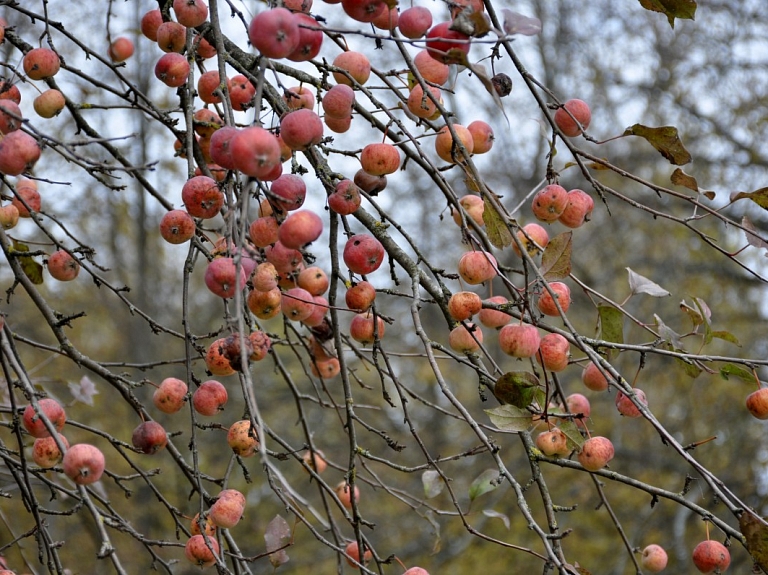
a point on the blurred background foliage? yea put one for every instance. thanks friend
(708, 78)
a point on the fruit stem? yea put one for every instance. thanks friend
(757, 379)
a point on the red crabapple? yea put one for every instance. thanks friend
(363, 10)
(275, 33)
(299, 97)
(263, 231)
(221, 277)
(596, 452)
(299, 229)
(380, 159)
(34, 424)
(553, 443)
(170, 396)
(593, 378)
(519, 340)
(580, 111)
(172, 69)
(464, 304)
(202, 550)
(625, 405)
(446, 45)
(26, 190)
(414, 22)
(209, 398)
(549, 203)
(171, 37)
(344, 493)
(369, 183)
(208, 85)
(41, 63)
(9, 91)
(654, 558)
(298, 5)
(255, 151)
(297, 304)
(150, 22)
(62, 266)
(338, 125)
(446, 147)
(190, 13)
(546, 302)
(711, 557)
(476, 267)
(177, 227)
(338, 101)
(554, 352)
(416, 571)
(353, 550)
(314, 280)
(287, 193)
(533, 237)
(362, 328)
(120, 49)
(319, 310)
(301, 129)
(46, 453)
(579, 405)
(430, 69)
(265, 304)
(19, 152)
(83, 463)
(310, 38)
(363, 254)
(360, 296)
(465, 339)
(577, 210)
(355, 64)
(482, 135)
(387, 19)
(285, 259)
(473, 207)
(315, 460)
(241, 93)
(149, 437)
(326, 368)
(203, 48)
(215, 360)
(10, 116)
(421, 105)
(492, 318)
(227, 509)
(345, 198)
(757, 403)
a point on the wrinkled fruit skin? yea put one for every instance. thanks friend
(149, 437)
(200, 554)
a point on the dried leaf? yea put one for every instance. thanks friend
(640, 284)
(84, 390)
(755, 531)
(706, 316)
(680, 178)
(492, 513)
(665, 139)
(516, 23)
(760, 197)
(510, 418)
(277, 536)
(683, 9)
(433, 483)
(693, 313)
(751, 232)
(472, 23)
(668, 334)
(516, 388)
(496, 229)
(556, 259)
(484, 483)
(730, 369)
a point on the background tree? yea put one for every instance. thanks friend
(440, 436)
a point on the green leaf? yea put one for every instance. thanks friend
(516, 388)
(760, 197)
(727, 336)
(32, 269)
(755, 531)
(665, 139)
(485, 482)
(510, 418)
(683, 9)
(495, 226)
(574, 438)
(611, 326)
(433, 483)
(556, 259)
(730, 369)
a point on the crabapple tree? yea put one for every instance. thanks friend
(362, 285)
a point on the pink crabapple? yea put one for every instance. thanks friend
(34, 423)
(653, 558)
(579, 110)
(46, 452)
(711, 556)
(492, 318)
(209, 398)
(593, 378)
(464, 304)
(596, 452)
(625, 405)
(477, 267)
(519, 340)
(356, 64)
(202, 550)
(554, 352)
(170, 396)
(149, 437)
(275, 33)
(549, 203)
(227, 510)
(546, 303)
(83, 463)
(62, 266)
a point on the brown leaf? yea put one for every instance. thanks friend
(556, 259)
(753, 239)
(760, 197)
(683, 9)
(755, 531)
(665, 139)
(277, 537)
(680, 178)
